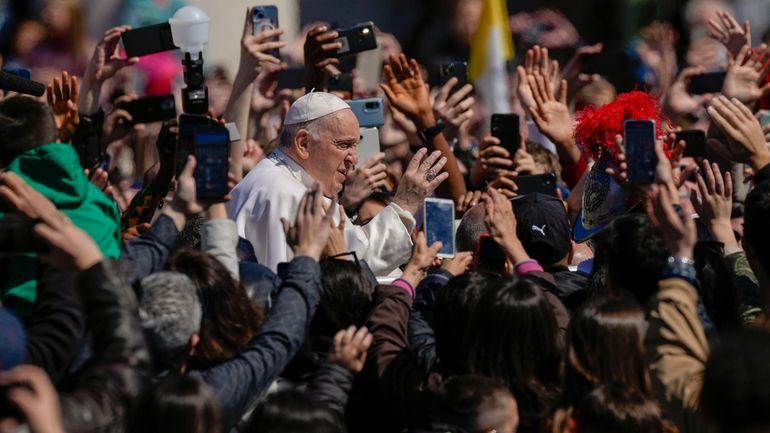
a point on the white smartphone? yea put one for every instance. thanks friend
(369, 145)
(369, 68)
(439, 223)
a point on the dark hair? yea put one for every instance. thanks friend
(605, 343)
(635, 255)
(346, 300)
(25, 123)
(455, 304)
(230, 318)
(735, 392)
(717, 287)
(756, 230)
(615, 408)
(293, 412)
(473, 403)
(178, 403)
(513, 337)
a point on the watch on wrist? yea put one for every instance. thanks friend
(427, 134)
(683, 267)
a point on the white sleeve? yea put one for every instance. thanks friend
(389, 239)
(263, 229)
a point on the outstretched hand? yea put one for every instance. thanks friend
(350, 347)
(407, 91)
(725, 29)
(312, 226)
(677, 228)
(745, 138)
(106, 62)
(364, 180)
(551, 115)
(62, 97)
(422, 176)
(744, 74)
(320, 49)
(423, 257)
(501, 225)
(714, 203)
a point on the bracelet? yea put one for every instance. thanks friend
(427, 134)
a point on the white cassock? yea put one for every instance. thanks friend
(272, 190)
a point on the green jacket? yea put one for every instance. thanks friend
(54, 170)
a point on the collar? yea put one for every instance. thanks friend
(281, 159)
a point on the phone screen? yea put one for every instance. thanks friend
(211, 154)
(439, 222)
(505, 127)
(639, 139)
(489, 255)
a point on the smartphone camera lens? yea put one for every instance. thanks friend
(372, 105)
(365, 31)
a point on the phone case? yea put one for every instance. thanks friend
(341, 82)
(148, 40)
(455, 69)
(438, 223)
(356, 39)
(542, 183)
(639, 140)
(291, 78)
(151, 108)
(505, 127)
(368, 111)
(369, 145)
(265, 18)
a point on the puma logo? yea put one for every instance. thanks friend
(539, 229)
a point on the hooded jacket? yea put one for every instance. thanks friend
(54, 170)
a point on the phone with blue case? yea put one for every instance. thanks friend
(368, 111)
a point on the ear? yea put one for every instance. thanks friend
(301, 144)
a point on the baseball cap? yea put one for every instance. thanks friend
(313, 106)
(542, 226)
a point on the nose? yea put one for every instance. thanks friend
(352, 158)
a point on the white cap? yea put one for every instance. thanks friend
(313, 106)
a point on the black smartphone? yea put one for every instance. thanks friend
(438, 223)
(639, 139)
(710, 82)
(489, 255)
(341, 83)
(356, 39)
(291, 78)
(17, 235)
(458, 70)
(188, 123)
(696, 142)
(148, 40)
(212, 148)
(151, 108)
(505, 127)
(265, 18)
(542, 183)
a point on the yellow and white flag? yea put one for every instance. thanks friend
(491, 47)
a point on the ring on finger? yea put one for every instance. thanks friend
(430, 175)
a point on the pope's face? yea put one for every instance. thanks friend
(333, 152)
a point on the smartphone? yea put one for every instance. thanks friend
(148, 40)
(188, 123)
(151, 108)
(710, 82)
(368, 111)
(439, 224)
(458, 70)
(369, 68)
(489, 255)
(369, 144)
(696, 142)
(265, 18)
(505, 127)
(542, 183)
(291, 78)
(17, 235)
(639, 139)
(356, 39)
(341, 83)
(212, 148)
(764, 120)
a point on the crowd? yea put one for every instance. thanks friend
(308, 299)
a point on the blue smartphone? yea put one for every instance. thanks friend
(368, 111)
(265, 18)
(639, 139)
(439, 224)
(212, 148)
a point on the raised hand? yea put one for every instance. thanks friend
(422, 176)
(312, 226)
(423, 256)
(493, 159)
(571, 72)
(363, 181)
(745, 138)
(501, 225)
(105, 61)
(29, 388)
(458, 264)
(551, 115)
(524, 162)
(336, 244)
(407, 91)
(320, 48)
(186, 198)
(62, 97)
(470, 199)
(537, 62)
(350, 347)
(678, 229)
(118, 123)
(725, 29)
(505, 184)
(714, 203)
(678, 102)
(744, 73)
(456, 109)
(255, 48)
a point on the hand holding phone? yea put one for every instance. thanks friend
(151, 108)
(639, 140)
(438, 223)
(264, 18)
(212, 148)
(710, 82)
(356, 39)
(505, 127)
(457, 70)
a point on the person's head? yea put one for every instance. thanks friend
(756, 232)
(735, 395)
(598, 93)
(545, 160)
(452, 312)
(513, 337)
(293, 412)
(634, 254)
(605, 343)
(178, 403)
(470, 229)
(64, 20)
(347, 297)
(615, 408)
(230, 318)
(170, 311)
(25, 123)
(476, 404)
(321, 134)
(543, 228)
